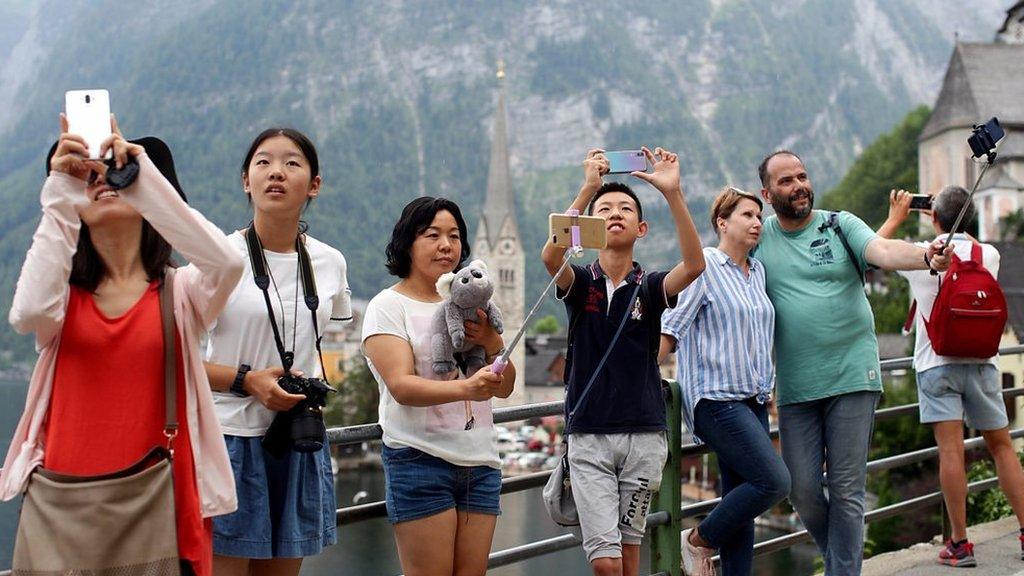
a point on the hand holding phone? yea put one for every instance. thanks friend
(626, 161)
(920, 202)
(88, 115)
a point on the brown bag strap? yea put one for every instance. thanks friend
(170, 355)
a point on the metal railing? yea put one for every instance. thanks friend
(667, 511)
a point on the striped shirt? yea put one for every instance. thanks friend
(723, 326)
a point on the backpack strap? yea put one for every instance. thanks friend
(908, 324)
(976, 253)
(832, 221)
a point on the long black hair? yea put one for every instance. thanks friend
(416, 217)
(87, 269)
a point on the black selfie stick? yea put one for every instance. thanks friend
(963, 211)
(982, 141)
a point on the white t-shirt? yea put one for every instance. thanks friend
(437, 430)
(924, 287)
(242, 333)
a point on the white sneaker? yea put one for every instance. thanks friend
(696, 559)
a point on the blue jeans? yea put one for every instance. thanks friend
(417, 485)
(833, 432)
(754, 478)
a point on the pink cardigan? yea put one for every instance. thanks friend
(200, 291)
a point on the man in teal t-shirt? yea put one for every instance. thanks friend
(827, 372)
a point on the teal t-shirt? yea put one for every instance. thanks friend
(825, 341)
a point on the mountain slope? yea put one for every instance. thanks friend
(399, 96)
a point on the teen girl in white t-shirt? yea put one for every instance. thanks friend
(286, 502)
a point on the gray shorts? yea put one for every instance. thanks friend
(614, 478)
(968, 392)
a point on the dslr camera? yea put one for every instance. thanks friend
(301, 428)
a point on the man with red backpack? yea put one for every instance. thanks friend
(960, 312)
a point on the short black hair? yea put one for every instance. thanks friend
(609, 187)
(300, 140)
(947, 206)
(762, 168)
(416, 217)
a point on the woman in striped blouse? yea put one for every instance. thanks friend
(722, 330)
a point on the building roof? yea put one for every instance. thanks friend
(1011, 279)
(1010, 15)
(982, 80)
(541, 353)
(998, 177)
(499, 205)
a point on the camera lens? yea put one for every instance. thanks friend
(88, 99)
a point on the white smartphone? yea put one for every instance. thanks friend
(88, 113)
(592, 231)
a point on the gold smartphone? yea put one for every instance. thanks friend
(592, 231)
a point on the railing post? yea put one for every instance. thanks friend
(665, 539)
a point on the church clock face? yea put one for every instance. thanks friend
(507, 246)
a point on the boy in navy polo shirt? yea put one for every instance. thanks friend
(617, 448)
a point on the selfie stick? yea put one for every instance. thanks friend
(575, 251)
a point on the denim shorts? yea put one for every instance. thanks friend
(418, 485)
(968, 392)
(286, 506)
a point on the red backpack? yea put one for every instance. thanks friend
(969, 314)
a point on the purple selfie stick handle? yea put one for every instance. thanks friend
(499, 365)
(575, 228)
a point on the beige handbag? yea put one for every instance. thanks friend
(117, 524)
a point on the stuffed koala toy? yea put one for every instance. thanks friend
(463, 291)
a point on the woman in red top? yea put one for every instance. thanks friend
(107, 405)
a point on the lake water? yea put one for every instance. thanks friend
(368, 548)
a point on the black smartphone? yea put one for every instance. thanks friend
(985, 137)
(921, 202)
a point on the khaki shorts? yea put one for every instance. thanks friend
(614, 479)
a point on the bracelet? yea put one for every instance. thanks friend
(237, 387)
(928, 262)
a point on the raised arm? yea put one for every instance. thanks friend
(665, 177)
(899, 209)
(215, 265)
(40, 297)
(594, 166)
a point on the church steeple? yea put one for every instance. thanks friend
(499, 205)
(497, 239)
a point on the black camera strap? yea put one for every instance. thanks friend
(262, 278)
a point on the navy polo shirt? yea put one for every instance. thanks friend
(626, 397)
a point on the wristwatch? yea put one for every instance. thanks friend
(236, 387)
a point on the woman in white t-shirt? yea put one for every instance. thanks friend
(286, 502)
(442, 475)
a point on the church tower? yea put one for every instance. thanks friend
(497, 242)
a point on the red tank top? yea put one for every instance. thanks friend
(107, 407)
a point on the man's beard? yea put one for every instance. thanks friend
(786, 209)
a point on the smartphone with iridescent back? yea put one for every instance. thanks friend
(626, 161)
